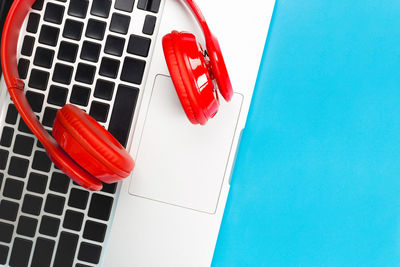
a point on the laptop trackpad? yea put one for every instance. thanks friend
(180, 163)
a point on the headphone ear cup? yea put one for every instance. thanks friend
(189, 73)
(218, 68)
(91, 146)
(172, 62)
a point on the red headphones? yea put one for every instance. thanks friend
(81, 147)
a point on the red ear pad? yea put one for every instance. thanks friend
(91, 146)
(218, 67)
(189, 73)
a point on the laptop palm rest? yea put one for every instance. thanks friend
(179, 163)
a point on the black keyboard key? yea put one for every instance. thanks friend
(109, 188)
(20, 252)
(73, 29)
(18, 167)
(149, 5)
(23, 67)
(27, 46)
(109, 67)
(41, 161)
(49, 116)
(85, 73)
(54, 204)
(1, 179)
(33, 23)
(13, 189)
(100, 207)
(133, 70)
(95, 29)
(57, 96)
(43, 57)
(99, 111)
(49, 35)
(120, 23)
(149, 24)
(54, 13)
(27, 226)
(101, 8)
(139, 45)
(114, 45)
(35, 100)
(49, 226)
(32, 204)
(7, 136)
(38, 5)
(80, 95)
(3, 159)
(59, 182)
(90, 51)
(66, 250)
(12, 114)
(89, 253)
(73, 220)
(94, 231)
(78, 8)
(68, 51)
(37, 183)
(78, 198)
(6, 232)
(8, 210)
(22, 127)
(3, 254)
(124, 5)
(43, 252)
(23, 145)
(104, 89)
(62, 73)
(125, 103)
(38, 79)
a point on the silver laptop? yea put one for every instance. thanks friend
(105, 56)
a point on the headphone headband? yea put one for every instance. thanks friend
(200, 19)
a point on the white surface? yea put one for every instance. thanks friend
(179, 163)
(151, 233)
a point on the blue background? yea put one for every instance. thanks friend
(317, 179)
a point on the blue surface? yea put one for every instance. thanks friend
(317, 179)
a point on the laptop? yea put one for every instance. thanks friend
(105, 56)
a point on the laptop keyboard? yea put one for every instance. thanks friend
(93, 54)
